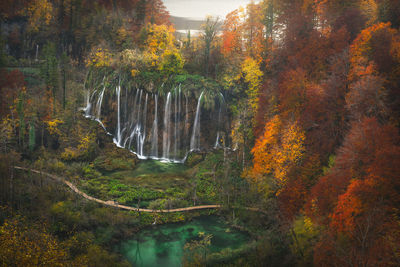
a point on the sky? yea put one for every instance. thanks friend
(201, 8)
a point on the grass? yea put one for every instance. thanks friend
(155, 175)
(126, 182)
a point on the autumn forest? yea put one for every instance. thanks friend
(269, 137)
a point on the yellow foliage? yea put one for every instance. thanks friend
(52, 126)
(122, 33)
(253, 76)
(86, 141)
(134, 72)
(276, 152)
(39, 12)
(6, 130)
(69, 154)
(159, 38)
(23, 246)
(160, 51)
(290, 152)
(132, 60)
(99, 58)
(82, 150)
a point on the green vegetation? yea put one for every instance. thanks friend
(309, 161)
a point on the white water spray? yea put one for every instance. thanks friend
(195, 140)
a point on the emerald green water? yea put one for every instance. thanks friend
(163, 245)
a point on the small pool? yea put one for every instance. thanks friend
(163, 245)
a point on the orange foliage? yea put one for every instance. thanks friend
(375, 72)
(276, 154)
(378, 43)
(156, 13)
(231, 34)
(253, 29)
(358, 198)
(263, 151)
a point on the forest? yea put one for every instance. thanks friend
(270, 138)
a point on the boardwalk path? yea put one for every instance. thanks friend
(112, 203)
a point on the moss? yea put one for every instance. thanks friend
(194, 159)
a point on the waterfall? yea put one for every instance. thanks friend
(154, 131)
(176, 124)
(118, 133)
(167, 126)
(99, 102)
(37, 52)
(137, 127)
(222, 101)
(178, 137)
(186, 117)
(143, 137)
(88, 105)
(195, 140)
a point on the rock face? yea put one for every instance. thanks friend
(163, 126)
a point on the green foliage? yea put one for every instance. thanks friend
(85, 151)
(331, 163)
(107, 163)
(32, 137)
(171, 63)
(108, 188)
(64, 217)
(49, 69)
(158, 204)
(196, 251)
(304, 237)
(90, 173)
(194, 159)
(21, 115)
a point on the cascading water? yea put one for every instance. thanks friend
(143, 136)
(88, 107)
(154, 131)
(37, 52)
(176, 124)
(222, 102)
(167, 128)
(195, 140)
(135, 121)
(117, 140)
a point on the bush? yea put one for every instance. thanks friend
(90, 173)
(70, 154)
(158, 204)
(111, 164)
(56, 166)
(194, 159)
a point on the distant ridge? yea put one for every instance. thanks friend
(182, 23)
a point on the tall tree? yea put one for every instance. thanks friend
(209, 32)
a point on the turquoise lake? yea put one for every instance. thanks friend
(162, 245)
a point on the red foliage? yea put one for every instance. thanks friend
(291, 198)
(11, 82)
(357, 156)
(358, 199)
(376, 52)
